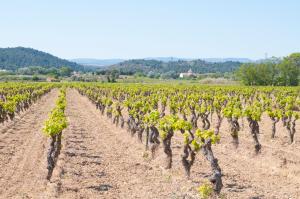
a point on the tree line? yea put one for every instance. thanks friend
(172, 68)
(274, 71)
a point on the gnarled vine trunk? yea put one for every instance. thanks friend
(167, 149)
(205, 122)
(147, 138)
(50, 156)
(163, 109)
(58, 145)
(218, 124)
(188, 163)
(216, 178)
(274, 122)
(194, 119)
(102, 109)
(234, 130)
(53, 153)
(153, 140)
(254, 130)
(291, 127)
(188, 156)
(122, 121)
(140, 131)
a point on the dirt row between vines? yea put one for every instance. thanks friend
(23, 150)
(99, 160)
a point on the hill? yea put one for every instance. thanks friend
(107, 62)
(168, 59)
(242, 60)
(19, 57)
(198, 66)
(96, 62)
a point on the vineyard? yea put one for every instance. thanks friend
(93, 140)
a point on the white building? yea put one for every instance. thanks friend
(188, 74)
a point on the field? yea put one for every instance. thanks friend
(148, 141)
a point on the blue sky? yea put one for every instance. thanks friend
(149, 28)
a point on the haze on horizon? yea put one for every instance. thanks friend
(138, 29)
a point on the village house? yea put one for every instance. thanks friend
(188, 74)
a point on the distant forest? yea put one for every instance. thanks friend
(158, 67)
(20, 57)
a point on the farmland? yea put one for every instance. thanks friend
(93, 140)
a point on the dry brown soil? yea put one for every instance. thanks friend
(99, 160)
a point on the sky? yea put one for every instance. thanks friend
(152, 28)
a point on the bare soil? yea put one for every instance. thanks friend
(23, 151)
(99, 160)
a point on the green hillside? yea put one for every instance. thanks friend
(20, 57)
(197, 66)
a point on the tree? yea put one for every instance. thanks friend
(65, 71)
(169, 75)
(247, 74)
(35, 78)
(272, 72)
(112, 75)
(265, 74)
(290, 70)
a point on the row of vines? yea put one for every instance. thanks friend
(156, 112)
(18, 97)
(53, 129)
